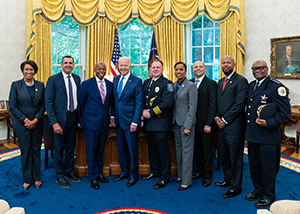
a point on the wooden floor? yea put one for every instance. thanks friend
(288, 150)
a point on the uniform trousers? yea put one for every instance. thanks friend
(159, 154)
(264, 163)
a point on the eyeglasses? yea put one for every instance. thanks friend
(258, 68)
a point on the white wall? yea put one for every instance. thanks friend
(12, 46)
(265, 19)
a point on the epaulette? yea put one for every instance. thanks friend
(276, 81)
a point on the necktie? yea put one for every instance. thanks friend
(71, 101)
(151, 82)
(256, 85)
(197, 82)
(120, 87)
(224, 83)
(102, 91)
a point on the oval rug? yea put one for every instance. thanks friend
(131, 210)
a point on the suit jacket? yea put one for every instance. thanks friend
(56, 98)
(128, 108)
(232, 102)
(207, 103)
(95, 114)
(20, 104)
(185, 104)
(270, 91)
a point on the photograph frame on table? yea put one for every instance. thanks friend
(3, 105)
(285, 57)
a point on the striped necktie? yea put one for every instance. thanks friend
(102, 92)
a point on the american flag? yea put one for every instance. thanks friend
(153, 51)
(115, 56)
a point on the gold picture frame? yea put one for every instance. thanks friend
(3, 105)
(285, 57)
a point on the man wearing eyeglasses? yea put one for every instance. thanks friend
(263, 132)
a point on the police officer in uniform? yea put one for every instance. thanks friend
(263, 132)
(158, 102)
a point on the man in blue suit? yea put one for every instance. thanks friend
(128, 97)
(95, 96)
(61, 107)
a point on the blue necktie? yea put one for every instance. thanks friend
(71, 106)
(196, 82)
(120, 87)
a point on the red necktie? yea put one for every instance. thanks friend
(224, 83)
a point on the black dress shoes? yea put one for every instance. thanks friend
(263, 203)
(197, 175)
(160, 184)
(206, 182)
(149, 177)
(102, 179)
(222, 184)
(253, 196)
(73, 177)
(131, 182)
(176, 180)
(94, 184)
(63, 182)
(181, 188)
(231, 193)
(120, 177)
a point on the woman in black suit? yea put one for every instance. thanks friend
(26, 104)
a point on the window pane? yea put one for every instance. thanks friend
(216, 72)
(135, 56)
(63, 24)
(209, 71)
(73, 39)
(54, 54)
(61, 52)
(197, 38)
(74, 52)
(207, 23)
(144, 75)
(135, 40)
(53, 37)
(217, 24)
(54, 70)
(145, 55)
(217, 36)
(124, 52)
(135, 25)
(124, 39)
(208, 55)
(62, 39)
(217, 55)
(135, 70)
(197, 24)
(77, 70)
(146, 39)
(208, 37)
(197, 54)
(73, 25)
(145, 27)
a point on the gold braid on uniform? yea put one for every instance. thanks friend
(157, 110)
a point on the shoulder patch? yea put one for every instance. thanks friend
(281, 91)
(170, 87)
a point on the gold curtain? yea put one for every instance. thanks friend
(157, 13)
(97, 48)
(40, 52)
(170, 44)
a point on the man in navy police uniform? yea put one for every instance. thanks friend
(264, 135)
(158, 103)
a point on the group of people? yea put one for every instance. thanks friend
(197, 110)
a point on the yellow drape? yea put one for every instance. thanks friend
(97, 48)
(170, 44)
(150, 12)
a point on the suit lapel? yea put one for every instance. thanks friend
(25, 90)
(96, 89)
(127, 85)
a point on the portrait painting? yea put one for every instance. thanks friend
(285, 57)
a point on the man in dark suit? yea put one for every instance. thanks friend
(158, 103)
(95, 97)
(61, 107)
(206, 112)
(230, 118)
(263, 133)
(128, 101)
